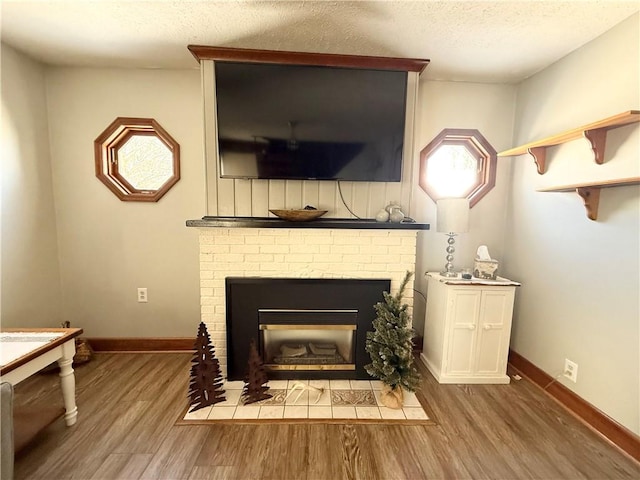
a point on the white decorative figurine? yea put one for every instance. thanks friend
(396, 215)
(382, 216)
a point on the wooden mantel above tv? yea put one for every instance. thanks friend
(201, 52)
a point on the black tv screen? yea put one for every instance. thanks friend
(309, 122)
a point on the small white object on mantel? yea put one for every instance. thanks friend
(382, 216)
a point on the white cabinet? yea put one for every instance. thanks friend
(467, 329)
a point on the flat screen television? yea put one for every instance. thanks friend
(282, 121)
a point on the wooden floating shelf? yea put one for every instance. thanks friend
(590, 192)
(595, 132)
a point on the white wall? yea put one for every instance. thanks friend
(489, 109)
(581, 282)
(31, 292)
(108, 248)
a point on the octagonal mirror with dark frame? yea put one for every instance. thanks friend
(137, 159)
(458, 163)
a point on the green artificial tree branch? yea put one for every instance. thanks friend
(389, 345)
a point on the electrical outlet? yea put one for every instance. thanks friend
(571, 370)
(142, 295)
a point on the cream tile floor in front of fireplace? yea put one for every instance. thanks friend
(341, 399)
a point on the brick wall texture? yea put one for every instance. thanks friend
(296, 253)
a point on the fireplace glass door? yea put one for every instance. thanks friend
(308, 339)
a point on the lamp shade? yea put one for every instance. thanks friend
(453, 215)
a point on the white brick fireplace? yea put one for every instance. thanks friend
(349, 253)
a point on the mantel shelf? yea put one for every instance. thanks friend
(330, 223)
(595, 132)
(590, 192)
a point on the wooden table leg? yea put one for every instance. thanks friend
(68, 382)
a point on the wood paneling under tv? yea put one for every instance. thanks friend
(202, 52)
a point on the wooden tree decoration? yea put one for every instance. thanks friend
(255, 379)
(206, 380)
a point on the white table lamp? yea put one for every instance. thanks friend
(452, 218)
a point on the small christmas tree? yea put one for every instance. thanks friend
(390, 346)
(255, 379)
(206, 380)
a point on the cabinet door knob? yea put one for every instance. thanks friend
(487, 327)
(471, 326)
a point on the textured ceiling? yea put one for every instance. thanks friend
(502, 41)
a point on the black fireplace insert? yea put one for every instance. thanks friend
(305, 328)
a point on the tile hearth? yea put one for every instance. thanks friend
(341, 399)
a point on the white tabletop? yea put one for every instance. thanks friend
(14, 345)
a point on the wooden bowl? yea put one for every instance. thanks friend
(298, 215)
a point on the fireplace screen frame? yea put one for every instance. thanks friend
(246, 295)
(294, 330)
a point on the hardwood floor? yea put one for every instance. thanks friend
(128, 404)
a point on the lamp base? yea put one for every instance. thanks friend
(447, 274)
(448, 268)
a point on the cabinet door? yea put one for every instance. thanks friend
(494, 329)
(462, 317)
